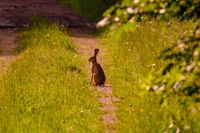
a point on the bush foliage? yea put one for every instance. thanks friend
(141, 10)
(178, 81)
(181, 74)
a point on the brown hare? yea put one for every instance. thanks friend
(98, 75)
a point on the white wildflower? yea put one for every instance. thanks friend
(143, 4)
(151, 65)
(135, 1)
(196, 53)
(176, 85)
(198, 31)
(141, 11)
(162, 88)
(116, 19)
(156, 87)
(171, 125)
(166, 4)
(178, 130)
(151, 1)
(181, 46)
(130, 10)
(148, 88)
(103, 22)
(126, 42)
(186, 127)
(194, 110)
(162, 11)
(183, 78)
(132, 20)
(190, 67)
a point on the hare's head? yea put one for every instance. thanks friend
(94, 59)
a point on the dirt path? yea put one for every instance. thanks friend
(17, 13)
(86, 43)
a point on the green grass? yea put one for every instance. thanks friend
(45, 89)
(130, 57)
(91, 9)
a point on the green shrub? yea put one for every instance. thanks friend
(178, 81)
(181, 73)
(141, 10)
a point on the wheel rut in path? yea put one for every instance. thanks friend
(8, 45)
(86, 42)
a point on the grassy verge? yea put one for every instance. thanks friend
(91, 9)
(129, 59)
(45, 89)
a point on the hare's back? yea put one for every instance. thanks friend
(101, 74)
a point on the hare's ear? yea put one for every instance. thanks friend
(96, 51)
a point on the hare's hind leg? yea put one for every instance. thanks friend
(92, 82)
(92, 79)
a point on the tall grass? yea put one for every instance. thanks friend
(45, 88)
(130, 58)
(91, 9)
